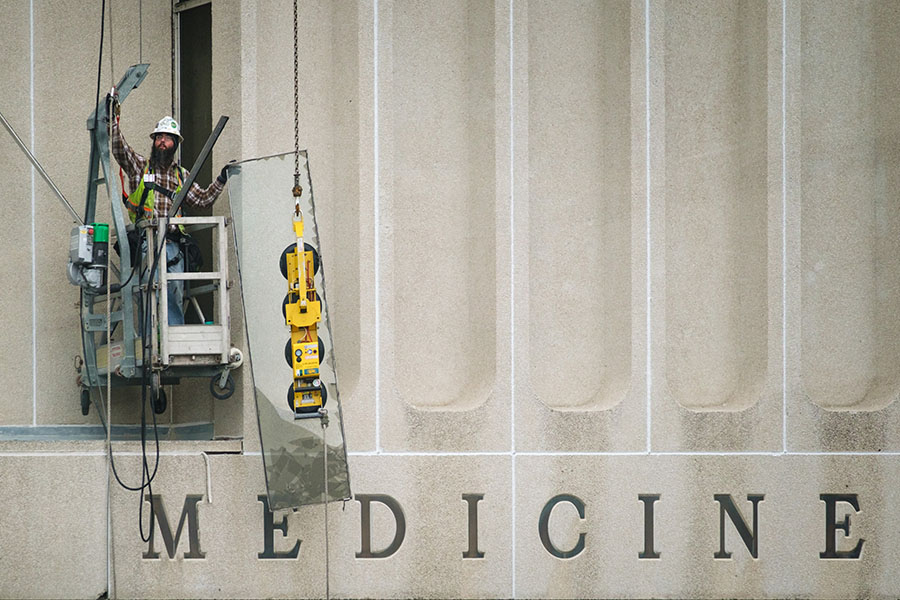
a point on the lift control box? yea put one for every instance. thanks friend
(81, 245)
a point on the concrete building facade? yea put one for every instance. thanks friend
(614, 288)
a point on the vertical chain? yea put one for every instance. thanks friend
(296, 103)
(297, 190)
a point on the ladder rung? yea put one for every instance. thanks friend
(201, 275)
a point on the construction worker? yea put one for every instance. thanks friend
(154, 182)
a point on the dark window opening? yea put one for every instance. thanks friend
(195, 104)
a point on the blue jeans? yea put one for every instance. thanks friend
(175, 291)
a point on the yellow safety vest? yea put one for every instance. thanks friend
(142, 200)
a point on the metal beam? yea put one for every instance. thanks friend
(198, 164)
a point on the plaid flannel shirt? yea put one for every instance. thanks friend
(133, 164)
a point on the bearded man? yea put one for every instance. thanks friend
(154, 184)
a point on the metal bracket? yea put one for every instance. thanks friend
(132, 79)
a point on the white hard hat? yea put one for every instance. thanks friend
(168, 125)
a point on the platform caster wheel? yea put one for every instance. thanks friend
(306, 409)
(162, 402)
(282, 262)
(85, 401)
(158, 399)
(220, 393)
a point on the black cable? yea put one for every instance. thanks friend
(100, 60)
(145, 482)
(146, 476)
(146, 323)
(117, 287)
(101, 409)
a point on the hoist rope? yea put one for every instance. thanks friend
(110, 577)
(109, 109)
(146, 476)
(112, 65)
(140, 31)
(109, 465)
(325, 479)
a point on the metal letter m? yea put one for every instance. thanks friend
(188, 513)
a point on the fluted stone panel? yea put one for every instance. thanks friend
(443, 203)
(579, 238)
(849, 225)
(716, 201)
(579, 203)
(716, 225)
(842, 251)
(335, 86)
(439, 280)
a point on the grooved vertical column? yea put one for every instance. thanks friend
(580, 310)
(718, 204)
(846, 333)
(444, 333)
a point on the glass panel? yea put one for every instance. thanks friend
(293, 449)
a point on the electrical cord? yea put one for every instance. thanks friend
(145, 382)
(146, 476)
(100, 406)
(100, 61)
(101, 409)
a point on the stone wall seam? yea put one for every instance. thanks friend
(512, 294)
(784, 225)
(376, 188)
(649, 365)
(33, 234)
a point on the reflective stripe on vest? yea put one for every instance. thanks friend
(147, 184)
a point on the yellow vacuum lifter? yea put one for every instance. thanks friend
(302, 313)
